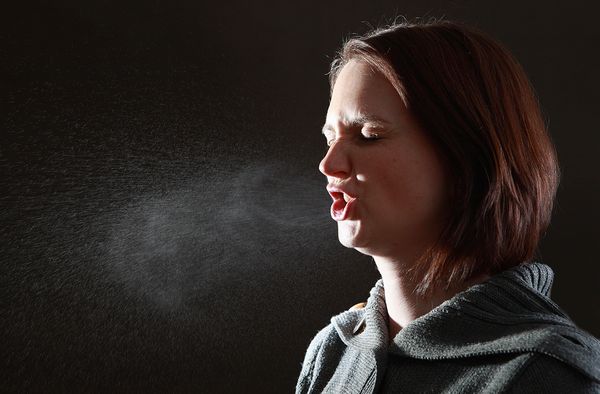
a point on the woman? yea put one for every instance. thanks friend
(441, 169)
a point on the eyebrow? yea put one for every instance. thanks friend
(359, 121)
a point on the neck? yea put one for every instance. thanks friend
(403, 303)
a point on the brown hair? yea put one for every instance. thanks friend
(476, 104)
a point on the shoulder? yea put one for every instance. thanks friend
(324, 345)
(325, 338)
(324, 354)
(574, 349)
(547, 374)
(566, 359)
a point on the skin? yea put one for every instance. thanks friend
(379, 154)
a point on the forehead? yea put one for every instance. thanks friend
(362, 92)
(355, 79)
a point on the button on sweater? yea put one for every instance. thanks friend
(503, 335)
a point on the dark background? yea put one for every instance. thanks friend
(163, 223)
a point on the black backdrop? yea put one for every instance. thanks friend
(163, 223)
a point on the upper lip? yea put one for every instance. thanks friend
(337, 191)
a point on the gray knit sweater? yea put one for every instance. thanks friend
(504, 335)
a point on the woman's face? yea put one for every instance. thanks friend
(387, 181)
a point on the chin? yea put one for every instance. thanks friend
(350, 234)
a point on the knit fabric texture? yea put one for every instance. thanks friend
(503, 335)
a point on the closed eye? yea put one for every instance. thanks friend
(363, 135)
(366, 136)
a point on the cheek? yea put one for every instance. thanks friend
(413, 185)
(432, 187)
(391, 185)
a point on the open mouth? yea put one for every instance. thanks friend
(341, 205)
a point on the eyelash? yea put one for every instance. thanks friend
(368, 137)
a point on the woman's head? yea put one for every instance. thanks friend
(476, 113)
(393, 180)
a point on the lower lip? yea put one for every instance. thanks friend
(342, 214)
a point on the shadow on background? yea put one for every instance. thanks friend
(164, 225)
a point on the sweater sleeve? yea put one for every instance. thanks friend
(319, 363)
(308, 365)
(545, 374)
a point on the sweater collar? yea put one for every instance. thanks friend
(365, 328)
(496, 316)
(509, 313)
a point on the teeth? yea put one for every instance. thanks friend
(346, 197)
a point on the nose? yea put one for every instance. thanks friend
(336, 162)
